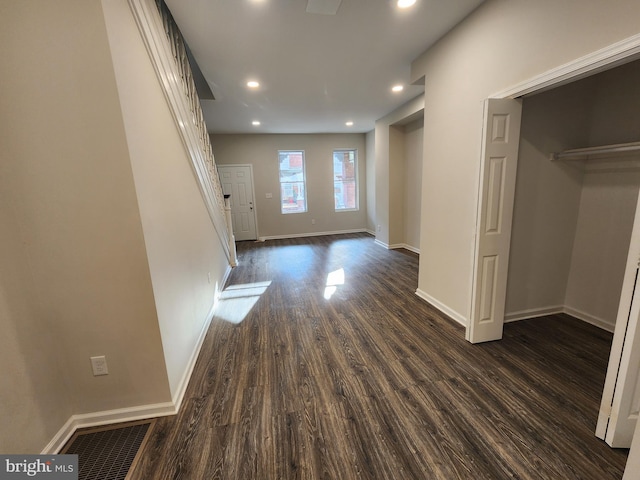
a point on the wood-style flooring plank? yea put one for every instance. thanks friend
(364, 380)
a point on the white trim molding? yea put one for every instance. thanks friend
(404, 246)
(553, 310)
(397, 246)
(592, 319)
(449, 312)
(600, 60)
(382, 244)
(312, 234)
(532, 313)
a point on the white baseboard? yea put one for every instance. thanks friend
(407, 247)
(532, 313)
(397, 246)
(371, 232)
(382, 244)
(412, 249)
(585, 317)
(107, 417)
(223, 283)
(312, 234)
(541, 312)
(457, 317)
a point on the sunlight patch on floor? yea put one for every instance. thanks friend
(236, 301)
(334, 279)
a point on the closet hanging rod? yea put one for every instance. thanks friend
(600, 151)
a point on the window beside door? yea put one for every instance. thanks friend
(345, 179)
(293, 198)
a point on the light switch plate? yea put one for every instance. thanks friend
(99, 366)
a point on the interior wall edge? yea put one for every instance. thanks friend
(455, 316)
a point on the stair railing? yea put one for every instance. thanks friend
(168, 54)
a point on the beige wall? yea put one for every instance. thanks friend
(106, 245)
(502, 43)
(261, 151)
(413, 146)
(396, 180)
(370, 147)
(599, 256)
(182, 245)
(67, 176)
(33, 397)
(614, 106)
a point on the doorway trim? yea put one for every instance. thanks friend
(606, 58)
(614, 55)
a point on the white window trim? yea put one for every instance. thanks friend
(304, 179)
(357, 177)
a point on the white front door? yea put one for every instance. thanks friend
(621, 395)
(237, 181)
(500, 140)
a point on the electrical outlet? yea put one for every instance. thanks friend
(379, 228)
(269, 195)
(99, 366)
(313, 221)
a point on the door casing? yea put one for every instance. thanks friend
(243, 209)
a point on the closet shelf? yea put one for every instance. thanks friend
(601, 152)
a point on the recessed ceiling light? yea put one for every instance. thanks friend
(405, 3)
(255, 122)
(253, 84)
(349, 124)
(397, 88)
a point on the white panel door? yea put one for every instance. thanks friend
(497, 183)
(237, 181)
(621, 395)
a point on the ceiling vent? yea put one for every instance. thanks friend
(323, 7)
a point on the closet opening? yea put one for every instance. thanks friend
(576, 192)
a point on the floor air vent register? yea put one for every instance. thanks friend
(109, 453)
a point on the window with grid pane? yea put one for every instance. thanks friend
(345, 179)
(293, 198)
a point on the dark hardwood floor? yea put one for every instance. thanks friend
(373, 383)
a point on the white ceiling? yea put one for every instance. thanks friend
(316, 71)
